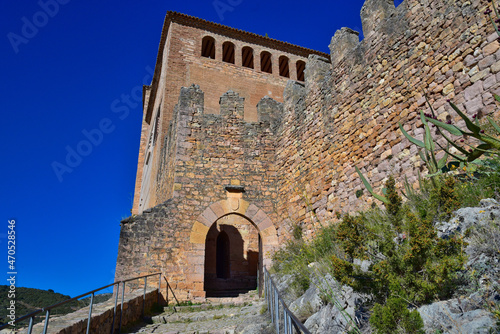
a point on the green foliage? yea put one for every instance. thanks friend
(489, 142)
(370, 189)
(394, 205)
(297, 232)
(350, 236)
(296, 255)
(394, 317)
(445, 197)
(409, 261)
(428, 154)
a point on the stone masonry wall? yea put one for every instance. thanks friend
(208, 152)
(182, 65)
(347, 113)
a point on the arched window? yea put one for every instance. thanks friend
(266, 64)
(208, 47)
(284, 70)
(300, 70)
(247, 57)
(228, 52)
(222, 258)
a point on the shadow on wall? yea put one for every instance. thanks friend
(229, 268)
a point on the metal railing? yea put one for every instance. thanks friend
(48, 309)
(286, 317)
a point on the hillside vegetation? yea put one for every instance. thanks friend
(29, 300)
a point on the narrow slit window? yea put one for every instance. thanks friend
(284, 69)
(247, 57)
(300, 70)
(228, 52)
(266, 64)
(208, 47)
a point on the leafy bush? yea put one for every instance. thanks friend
(394, 317)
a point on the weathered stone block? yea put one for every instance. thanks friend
(342, 43)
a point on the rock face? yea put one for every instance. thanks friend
(480, 227)
(460, 315)
(465, 218)
(326, 306)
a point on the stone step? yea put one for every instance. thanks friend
(208, 318)
(204, 314)
(216, 302)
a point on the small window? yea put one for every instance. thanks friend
(208, 47)
(228, 52)
(266, 64)
(247, 57)
(156, 125)
(300, 70)
(284, 70)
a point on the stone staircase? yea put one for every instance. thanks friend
(245, 314)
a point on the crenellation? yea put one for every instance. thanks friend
(270, 113)
(232, 105)
(342, 44)
(373, 13)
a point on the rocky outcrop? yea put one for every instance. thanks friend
(328, 307)
(459, 315)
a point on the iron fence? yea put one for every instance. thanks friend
(281, 316)
(47, 310)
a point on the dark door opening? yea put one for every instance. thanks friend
(231, 257)
(222, 260)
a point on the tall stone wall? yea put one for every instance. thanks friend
(347, 113)
(204, 154)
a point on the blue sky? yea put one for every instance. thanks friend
(63, 69)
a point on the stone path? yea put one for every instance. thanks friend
(245, 314)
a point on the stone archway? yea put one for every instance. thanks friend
(268, 236)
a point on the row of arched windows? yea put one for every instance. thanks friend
(247, 58)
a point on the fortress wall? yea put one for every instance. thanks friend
(207, 152)
(347, 114)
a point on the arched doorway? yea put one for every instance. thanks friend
(231, 257)
(197, 256)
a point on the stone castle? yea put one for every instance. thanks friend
(245, 138)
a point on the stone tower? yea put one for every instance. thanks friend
(204, 202)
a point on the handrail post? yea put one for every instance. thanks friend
(285, 320)
(114, 309)
(121, 307)
(159, 288)
(30, 328)
(144, 296)
(276, 309)
(90, 312)
(168, 285)
(46, 325)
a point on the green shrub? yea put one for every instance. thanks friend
(394, 317)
